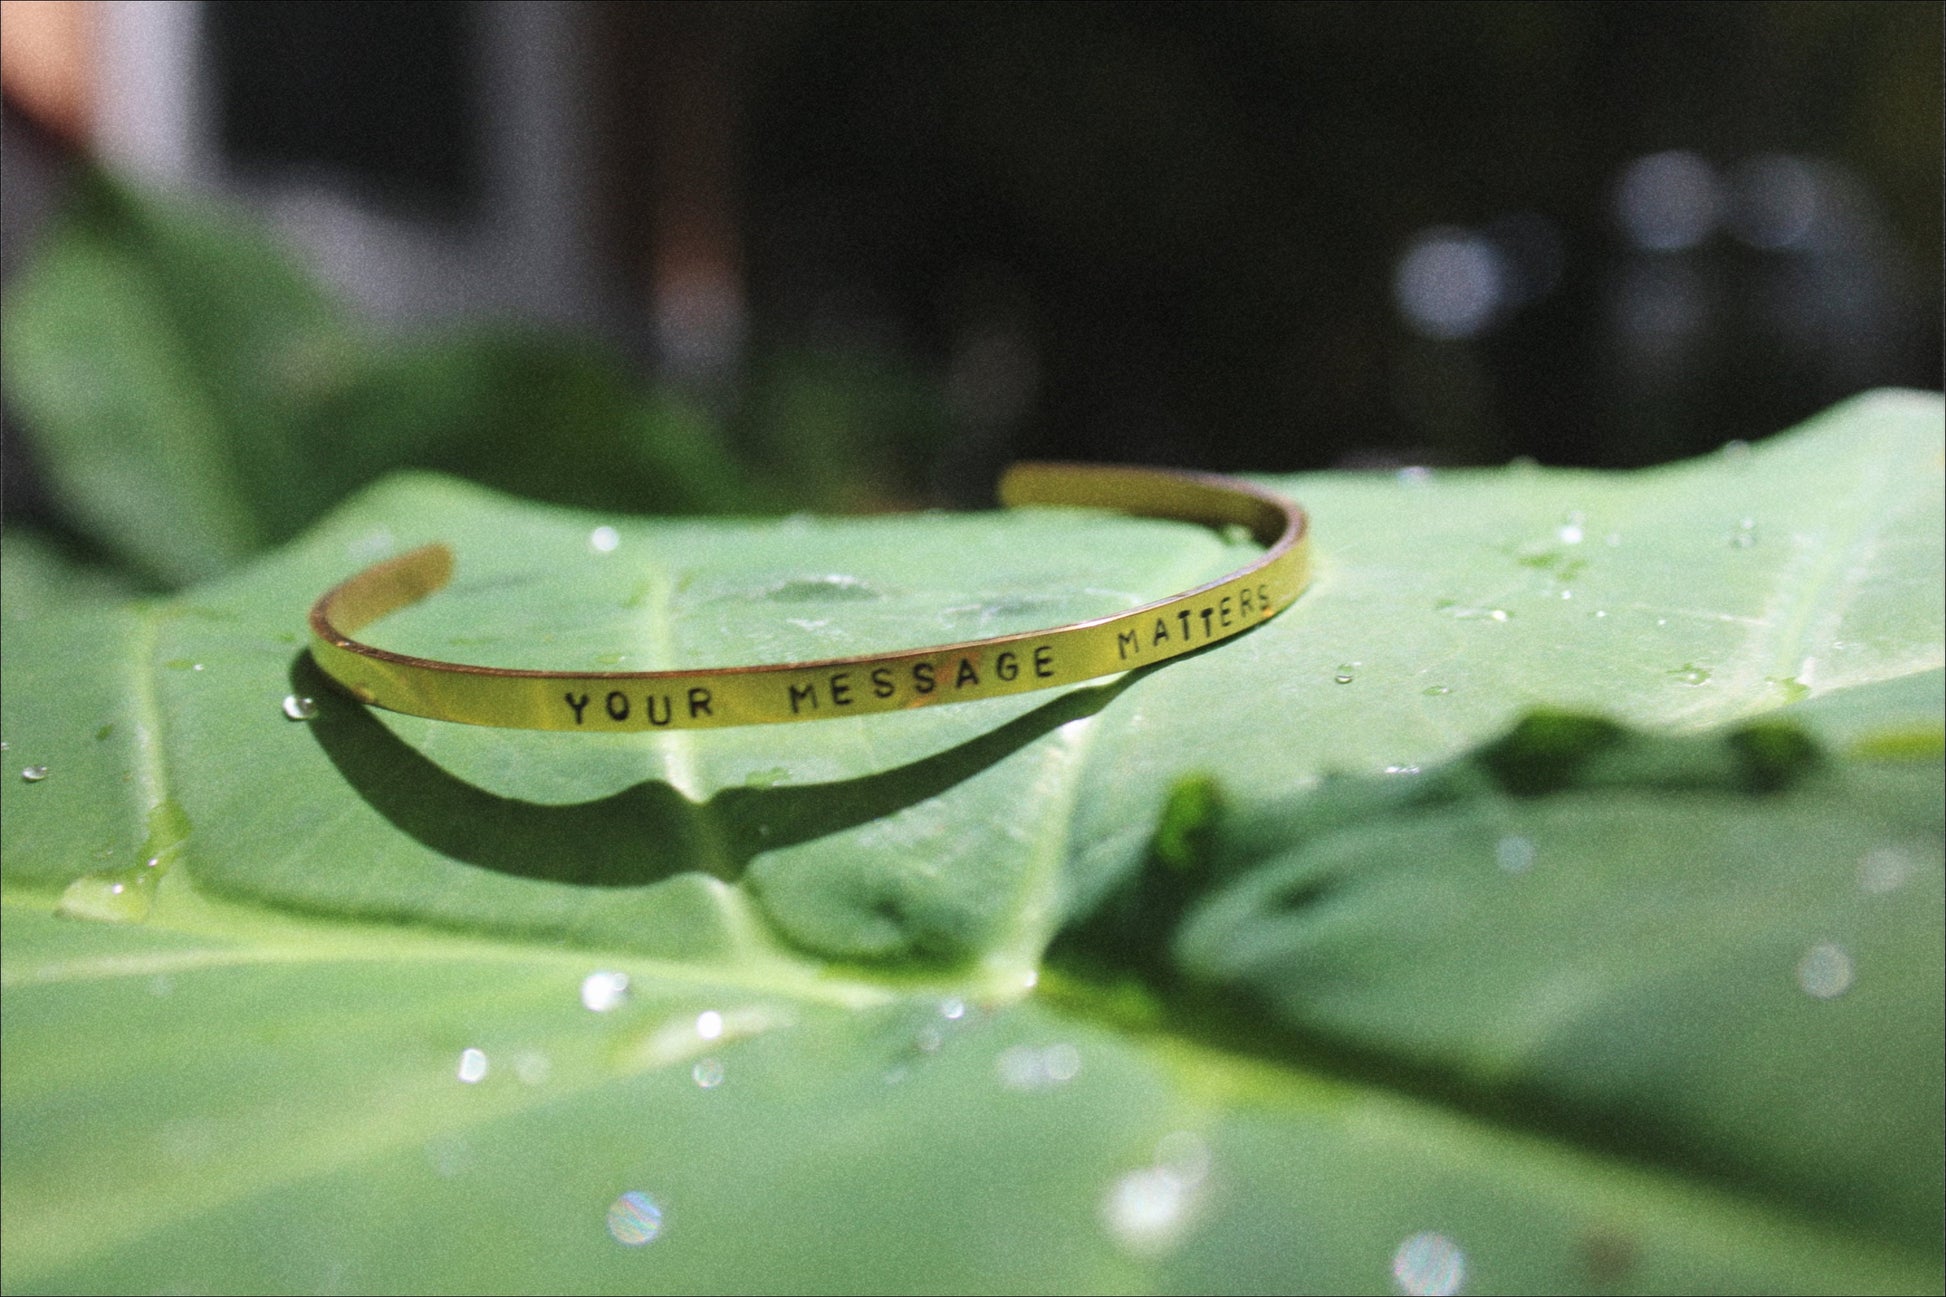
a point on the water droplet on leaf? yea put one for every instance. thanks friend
(33, 774)
(1514, 854)
(1825, 972)
(601, 992)
(1467, 612)
(635, 1219)
(1691, 674)
(1429, 1265)
(708, 1073)
(1027, 1068)
(836, 587)
(709, 1025)
(472, 1066)
(1884, 869)
(300, 708)
(604, 540)
(1147, 1211)
(122, 896)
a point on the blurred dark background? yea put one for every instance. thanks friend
(1266, 236)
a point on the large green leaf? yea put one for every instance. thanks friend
(1356, 977)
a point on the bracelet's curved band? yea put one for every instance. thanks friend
(850, 686)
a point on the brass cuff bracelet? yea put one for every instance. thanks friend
(610, 701)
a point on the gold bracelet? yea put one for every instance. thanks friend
(614, 701)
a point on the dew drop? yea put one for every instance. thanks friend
(1467, 612)
(372, 544)
(1600, 613)
(1514, 853)
(822, 589)
(610, 659)
(952, 1009)
(1062, 1063)
(708, 1073)
(1744, 534)
(1436, 691)
(634, 1219)
(3, 745)
(1429, 1265)
(601, 992)
(1691, 674)
(1344, 675)
(197, 666)
(1146, 1211)
(768, 777)
(124, 896)
(1402, 770)
(709, 1025)
(1883, 869)
(300, 708)
(1027, 1068)
(604, 540)
(1825, 972)
(33, 774)
(472, 1066)
(1570, 532)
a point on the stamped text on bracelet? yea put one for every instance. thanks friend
(723, 696)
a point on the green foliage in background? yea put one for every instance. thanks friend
(195, 397)
(1551, 900)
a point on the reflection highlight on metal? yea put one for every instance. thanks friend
(717, 697)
